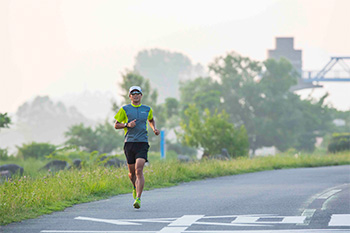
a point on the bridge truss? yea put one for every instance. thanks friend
(328, 74)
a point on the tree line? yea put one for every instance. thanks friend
(240, 105)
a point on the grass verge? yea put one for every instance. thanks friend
(28, 197)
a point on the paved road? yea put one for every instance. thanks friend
(291, 200)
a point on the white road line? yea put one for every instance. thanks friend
(172, 230)
(111, 221)
(235, 216)
(308, 213)
(338, 220)
(231, 224)
(329, 194)
(186, 220)
(293, 219)
(254, 220)
(245, 219)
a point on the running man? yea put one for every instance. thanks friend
(133, 119)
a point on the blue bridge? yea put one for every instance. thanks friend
(336, 70)
(328, 74)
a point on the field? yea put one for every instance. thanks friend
(38, 193)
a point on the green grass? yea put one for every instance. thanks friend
(36, 193)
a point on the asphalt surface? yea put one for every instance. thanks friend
(290, 200)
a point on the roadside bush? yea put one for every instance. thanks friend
(35, 150)
(212, 132)
(339, 142)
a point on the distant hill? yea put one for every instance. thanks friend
(41, 120)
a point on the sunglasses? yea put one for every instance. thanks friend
(135, 93)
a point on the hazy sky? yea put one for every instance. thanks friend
(50, 47)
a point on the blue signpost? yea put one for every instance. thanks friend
(162, 144)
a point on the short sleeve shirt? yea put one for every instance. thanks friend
(141, 113)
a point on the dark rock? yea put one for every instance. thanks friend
(184, 158)
(225, 153)
(77, 163)
(5, 175)
(12, 168)
(55, 165)
(109, 161)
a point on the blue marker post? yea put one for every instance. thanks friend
(162, 144)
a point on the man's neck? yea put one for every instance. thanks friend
(136, 103)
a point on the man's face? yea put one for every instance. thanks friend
(135, 96)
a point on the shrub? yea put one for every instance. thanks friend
(212, 132)
(339, 142)
(35, 150)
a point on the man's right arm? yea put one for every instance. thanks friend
(120, 117)
(119, 125)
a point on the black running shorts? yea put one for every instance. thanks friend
(135, 150)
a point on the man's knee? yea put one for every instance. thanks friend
(139, 172)
(131, 174)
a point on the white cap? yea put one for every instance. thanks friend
(135, 88)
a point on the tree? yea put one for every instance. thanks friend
(165, 70)
(237, 76)
(276, 119)
(213, 132)
(108, 138)
(203, 92)
(257, 96)
(103, 139)
(134, 79)
(4, 120)
(81, 136)
(171, 107)
(43, 119)
(35, 150)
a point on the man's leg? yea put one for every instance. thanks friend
(132, 175)
(140, 179)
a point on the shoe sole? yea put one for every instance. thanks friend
(137, 205)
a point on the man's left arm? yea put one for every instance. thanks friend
(152, 123)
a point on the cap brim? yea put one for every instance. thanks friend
(135, 91)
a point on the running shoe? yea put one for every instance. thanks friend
(134, 193)
(137, 203)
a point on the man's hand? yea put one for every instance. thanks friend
(132, 124)
(156, 132)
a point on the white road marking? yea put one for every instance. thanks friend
(172, 230)
(255, 220)
(338, 220)
(235, 216)
(329, 194)
(160, 220)
(180, 225)
(293, 219)
(308, 213)
(230, 224)
(186, 220)
(245, 219)
(111, 221)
